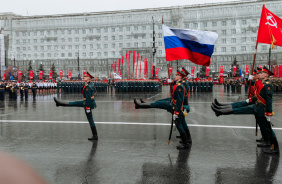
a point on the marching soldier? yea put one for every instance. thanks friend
(25, 88)
(2, 91)
(21, 86)
(34, 88)
(175, 106)
(88, 104)
(262, 108)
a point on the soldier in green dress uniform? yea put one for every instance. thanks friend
(261, 108)
(88, 104)
(175, 106)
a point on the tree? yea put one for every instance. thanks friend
(203, 72)
(53, 68)
(29, 66)
(41, 68)
(237, 68)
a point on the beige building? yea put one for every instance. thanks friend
(101, 38)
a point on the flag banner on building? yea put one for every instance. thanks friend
(40, 75)
(221, 79)
(31, 75)
(84, 73)
(141, 66)
(137, 58)
(11, 76)
(234, 70)
(146, 68)
(170, 71)
(208, 71)
(121, 66)
(115, 67)
(221, 71)
(4, 75)
(128, 57)
(280, 71)
(111, 70)
(50, 74)
(157, 72)
(133, 63)
(20, 75)
(192, 71)
(118, 65)
(270, 27)
(194, 45)
(70, 74)
(247, 70)
(60, 74)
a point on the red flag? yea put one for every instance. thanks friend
(40, 75)
(247, 70)
(192, 71)
(270, 28)
(136, 65)
(70, 74)
(140, 67)
(133, 60)
(115, 67)
(20, 74)
(30, 74)
(111, 70)
(207, 71)
(50, 74)
(118, 65)
(4, 75)
(128, 57)
(61, 74)
(145, 68)
(234, 70)
(157, 72)
(125, 65)
(221, 71)
(121, 66)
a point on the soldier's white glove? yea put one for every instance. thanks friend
(248, 101)
(268, 118)
(251, 77)
(169, 81)
(88, 111)
(174, 117)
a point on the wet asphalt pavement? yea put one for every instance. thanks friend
(132, 146)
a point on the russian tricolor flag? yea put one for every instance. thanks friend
(194, 45)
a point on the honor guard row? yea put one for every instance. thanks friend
(77, 86)
(138, 86)
(200, 86)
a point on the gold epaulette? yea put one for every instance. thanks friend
(267, 82)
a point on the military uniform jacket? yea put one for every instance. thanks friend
(88, 95)
(263, 97)
(178, 93)
(186, 89)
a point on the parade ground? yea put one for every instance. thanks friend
(133, 143)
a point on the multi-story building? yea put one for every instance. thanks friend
(101, 38)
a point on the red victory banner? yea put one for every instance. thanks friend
(4, 75)
(170, 70)
(40, 75)
(115, 67)
(208, 71)
(153, 70)
(140, 67)
(128, 57)
(121, 66)
(234, 70)
(221, 71)
(118, 66)
(20, 75)
(192, 71)
(125, 65)
(70, 74)
(247, 70)
(270, 27)
(145, 68)
(60, 74)
(111, 70)
(136, 65)
(50, 74)
(31, 75)
(133, 60)
(83, 73)
(157, 72)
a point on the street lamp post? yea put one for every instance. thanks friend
(154, 49)
(78, 64)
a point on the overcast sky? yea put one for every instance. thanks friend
(49, 7)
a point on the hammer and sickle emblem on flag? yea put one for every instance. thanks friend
(271, 20)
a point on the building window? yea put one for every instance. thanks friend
(84, 54)
(233, 49)
(91, 54)
(175, 23)
(105, 38)
(84, 46)
(160, 52)
(90, 30)
(160, 35)
(127, 28)
(160, 27)
(144, 28)
(233, 22)
(223, 40)
(120, 45)
(98, 46)
(214, 24)
(127, 44)
(120, 28)
(34, 40)
(98, 30)
(244, 30)
(233, 31)
(223, 32)
(244, 39)
(120, 37)
(63, 40)
(136, 44)
(77, 47)
(91, 46)
(254, 21)
(70, 39)
(105, 30)
(205, 24)
(113, 37)
(113, 53)
(105, 54)
(233, 40)
(223, 23)
(253, 39)
(223, 49)
(42, 47)
(98, 53)
(105, 46)
(62, 47)
(113, 45)
(49, 47)
(76, 31)
(24, 48)
(84, 39)
(135, 28)
(69, 54)
(128, 37)
(62, 54)
(83, 31)
(264, 47)
(69, 31)
(160, 43)
(42, 40)
(49, 55)
(70, 47)
(41, 32)
(143, 44)
(186, 25)
(243, 48)
(244, 22)
(77, 39)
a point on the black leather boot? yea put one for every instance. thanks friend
(60, 103)
(94, 134)
(274, 150)
(219, 112)
(142, 101)
(189, 139)
(222, 106)
(141, 105)
(219, 104)
(260, 140)
(185, 144)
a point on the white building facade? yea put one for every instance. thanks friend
(102, 38)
